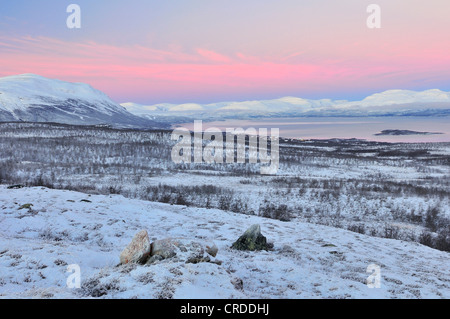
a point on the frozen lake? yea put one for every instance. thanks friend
(345, 127)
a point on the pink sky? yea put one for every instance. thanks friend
(330, 55)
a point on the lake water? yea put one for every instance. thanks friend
(345, 127)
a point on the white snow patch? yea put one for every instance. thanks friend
(308, 261)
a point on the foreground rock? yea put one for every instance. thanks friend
(212, 250)
(180, 249)
(141, 251)
(252, 240)
(138, 251)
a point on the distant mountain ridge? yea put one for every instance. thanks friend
(389, 103)
(33, 98)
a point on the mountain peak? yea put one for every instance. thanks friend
(393, 97)
(34, 98)
(25, 75)
(391, 102)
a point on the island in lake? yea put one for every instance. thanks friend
(404, 132)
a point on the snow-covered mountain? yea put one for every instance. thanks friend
(33, 98)
(395, 97)
(392, 102)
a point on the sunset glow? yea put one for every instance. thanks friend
(153, 53)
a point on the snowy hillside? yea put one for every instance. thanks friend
(395, 97)
(33, 98)
(392, 102)
(60, 228)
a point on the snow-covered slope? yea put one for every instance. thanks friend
(395, 97)
(33, 98)
(308, 261)
(392, 102)
(286, 104)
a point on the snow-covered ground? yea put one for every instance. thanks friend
(62, 228)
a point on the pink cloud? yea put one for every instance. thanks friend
(136, 71)
(213, 56)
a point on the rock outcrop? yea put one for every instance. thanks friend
(141, 251)
(252, 240)
(138, 251)
(181, 250)
(212, 250)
